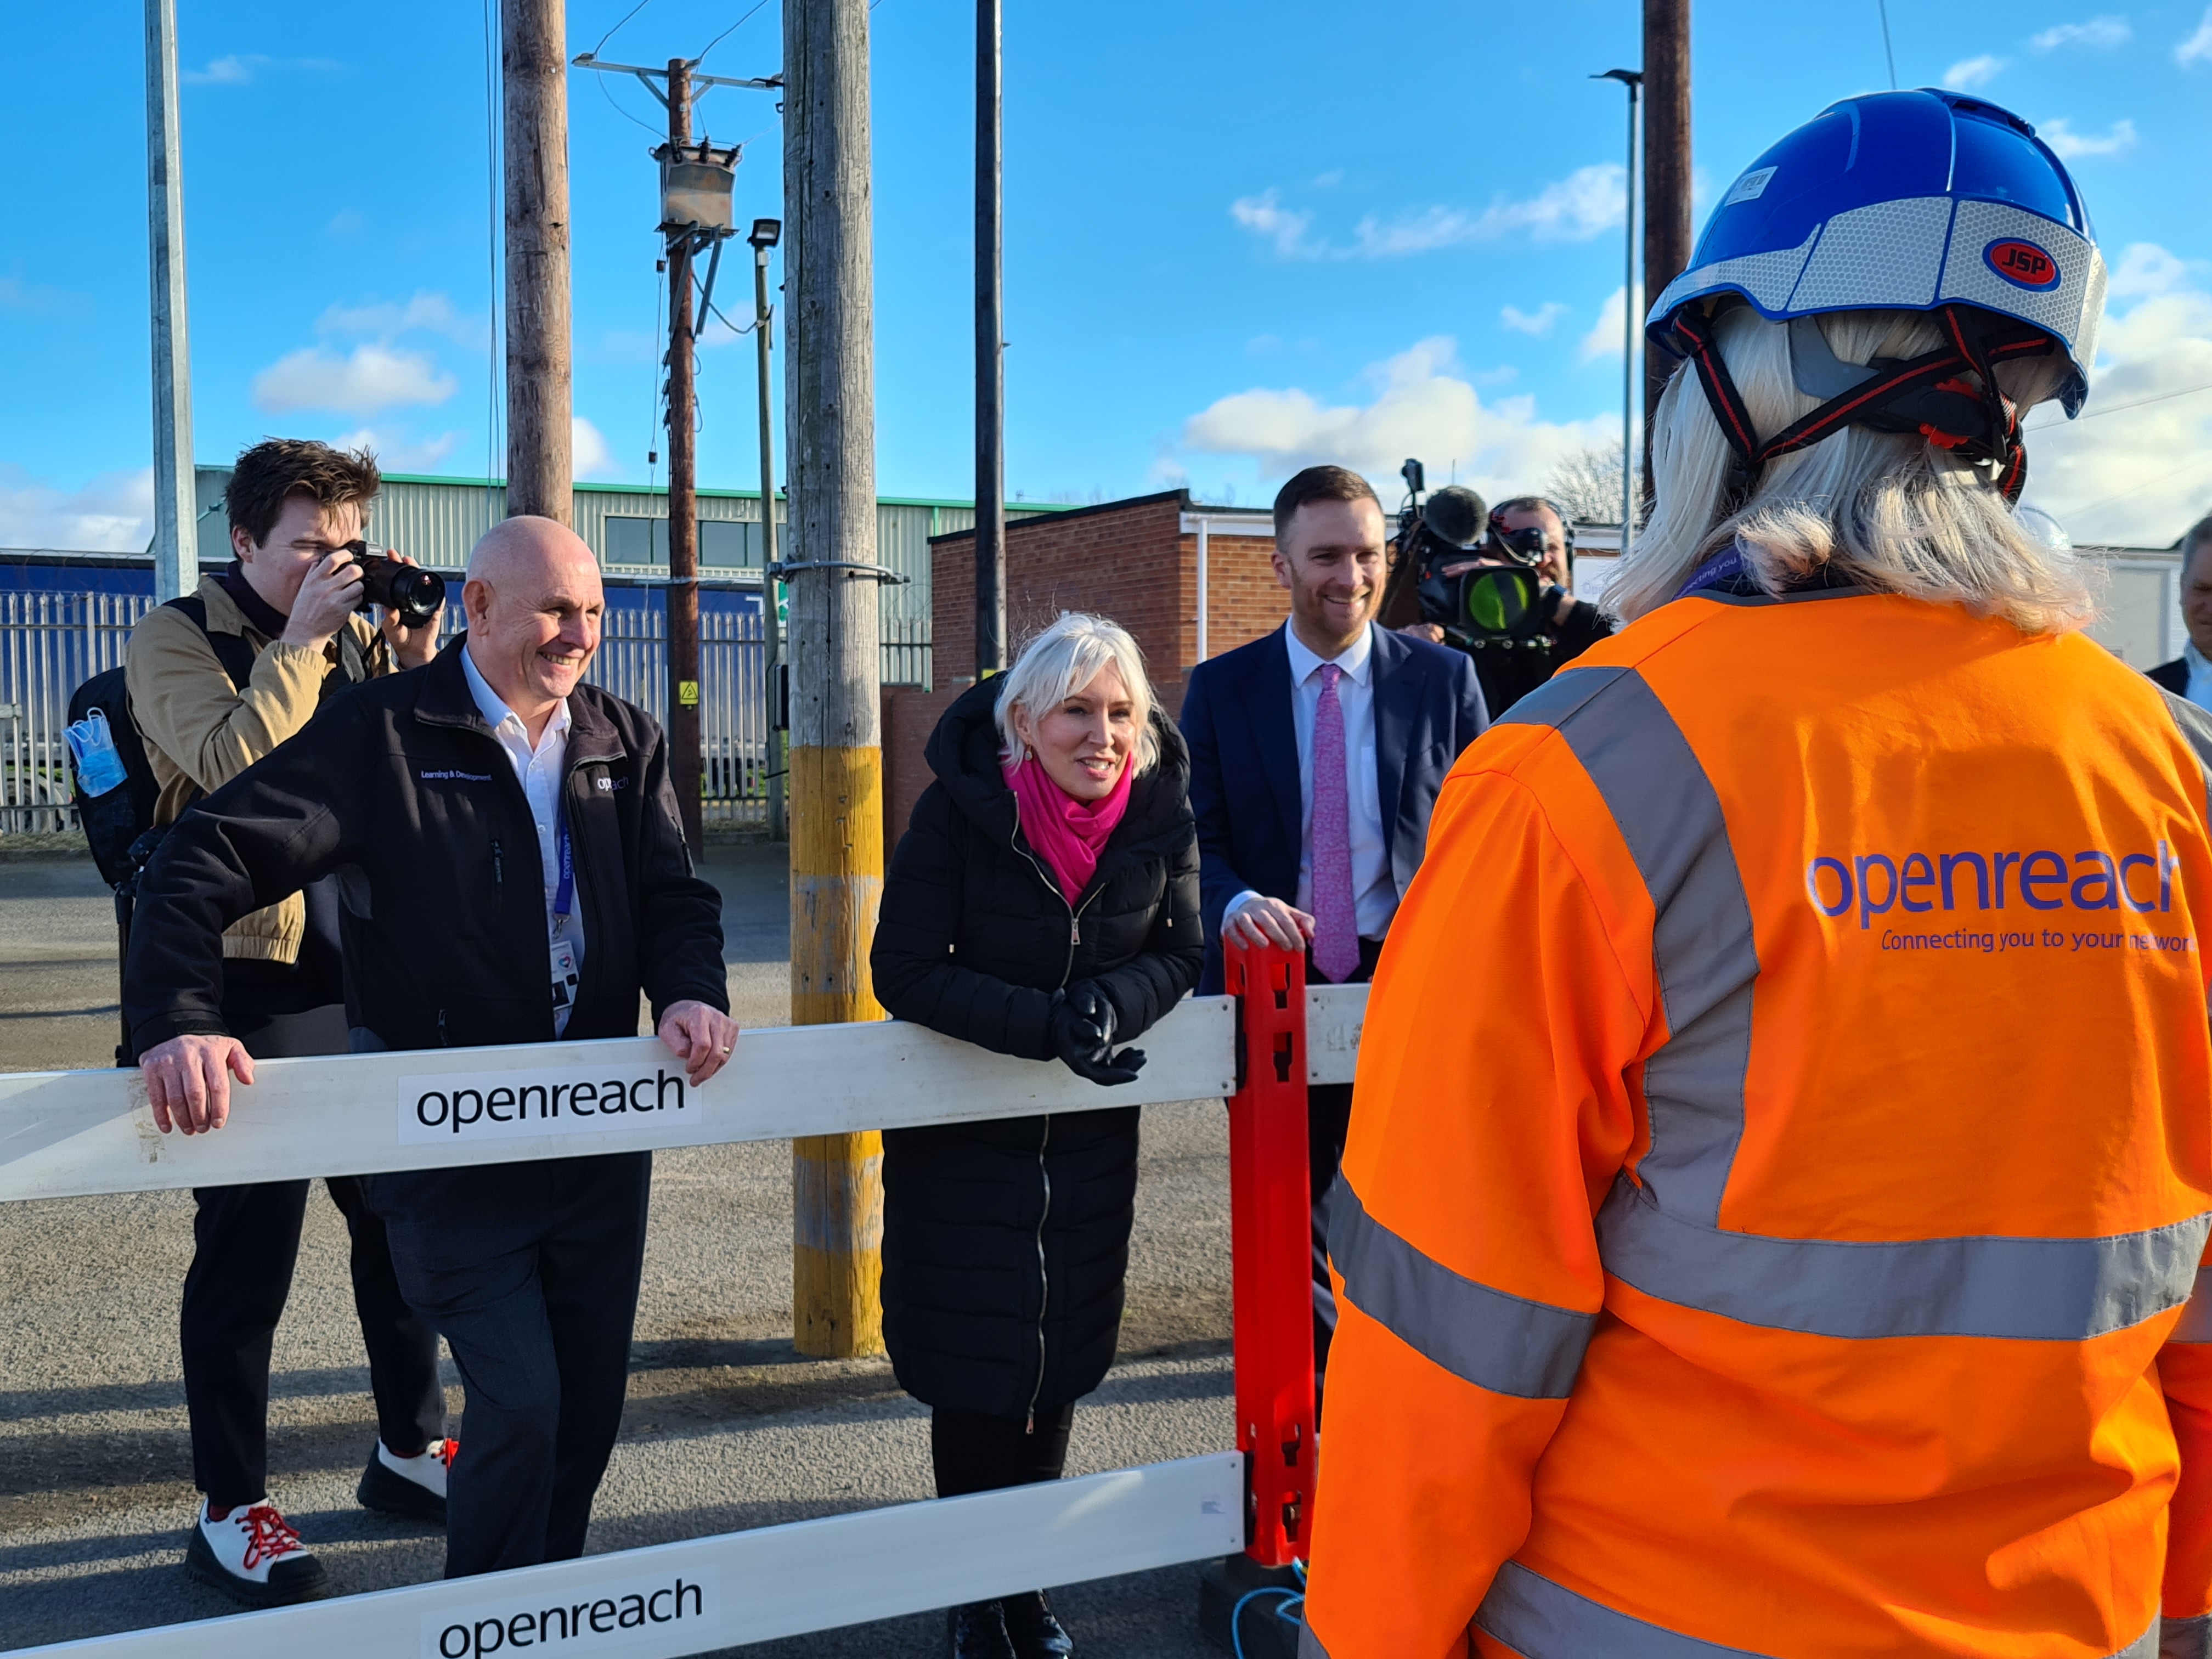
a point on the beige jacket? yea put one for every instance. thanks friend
(201, 731)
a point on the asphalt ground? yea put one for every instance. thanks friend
(727, 1426)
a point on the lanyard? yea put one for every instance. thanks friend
(564, 895)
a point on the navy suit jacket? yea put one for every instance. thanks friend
(1244, 785)
(2173, 676)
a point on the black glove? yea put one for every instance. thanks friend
(1083, 1035)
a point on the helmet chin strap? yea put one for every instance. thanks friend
(1949, 396)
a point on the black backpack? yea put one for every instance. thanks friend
(115, 822)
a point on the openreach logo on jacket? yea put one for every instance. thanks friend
(566, 1100)
(2138, 884)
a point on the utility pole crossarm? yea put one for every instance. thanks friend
(585, 60)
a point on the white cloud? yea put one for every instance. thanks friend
(1423, 404)
(1586, 202)
(112, 513)
(1265, 216)
(426, 313)
(1538, 322)
(2070, 145)
(2097, 31)
(2136, 470)
(371, 378)
(395, 453)
(589, 456)
(2197, 48)
(1604, 339)
(1971, 72)
(240, 68)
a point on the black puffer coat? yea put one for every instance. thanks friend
(1005, 1242)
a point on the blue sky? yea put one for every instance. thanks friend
(1240, 236)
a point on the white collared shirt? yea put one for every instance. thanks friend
(541, 769)
(2200, 676)
(1375, 889)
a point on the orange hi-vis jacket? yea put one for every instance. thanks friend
(1782, 1162)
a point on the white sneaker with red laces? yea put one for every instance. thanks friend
(413, 1486)
(253, 1555)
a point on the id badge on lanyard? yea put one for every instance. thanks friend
(563, 950)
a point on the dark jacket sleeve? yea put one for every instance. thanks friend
(1584, 627)
(679, 916)
(1470, 711)
(1145, 987)
(913, 962)
(286, 820)
(1219, 881)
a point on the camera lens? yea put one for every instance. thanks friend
(409, 592)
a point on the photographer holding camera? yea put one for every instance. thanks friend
(282, 620)
(1505, 596)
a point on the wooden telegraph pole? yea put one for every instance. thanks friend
(990, 350)
(836, 762)
(533, 38)
(1668, 231)
(683, 750)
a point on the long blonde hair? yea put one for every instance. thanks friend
(1887, 511)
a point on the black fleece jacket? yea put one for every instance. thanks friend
(400, 789)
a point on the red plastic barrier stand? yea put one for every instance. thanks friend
(1271, 1225)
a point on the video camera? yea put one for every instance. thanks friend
(1496, 606)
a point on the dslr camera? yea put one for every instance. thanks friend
(410, 592)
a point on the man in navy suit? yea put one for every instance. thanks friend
(2189, 674)
(1316, 753)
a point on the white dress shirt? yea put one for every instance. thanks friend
(1375, 889)
(541, 769)
(2200, 676)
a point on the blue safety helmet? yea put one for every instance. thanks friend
(1910, 201)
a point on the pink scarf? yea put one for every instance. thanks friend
(1065, 833)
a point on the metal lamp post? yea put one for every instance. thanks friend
(1633, 80)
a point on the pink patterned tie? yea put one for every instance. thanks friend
(1336, 926)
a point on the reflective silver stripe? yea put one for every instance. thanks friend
(1503, 1343)
(2195, 1324)
(2035, 1290)
(1539, 1620)
(1702, 946)
(2182, 1638)
(2195, 727)
(1310, 1645)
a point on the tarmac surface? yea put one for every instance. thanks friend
(727, 1426)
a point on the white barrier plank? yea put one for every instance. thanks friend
(1334, 1014)
(67, 1133)
(755, 1586)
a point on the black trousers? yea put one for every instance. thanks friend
(245, 1243)
(974, 1452)
(530, 1272)
(1328, 1114)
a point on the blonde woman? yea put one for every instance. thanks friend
(1772, 1217)
(1042, 903)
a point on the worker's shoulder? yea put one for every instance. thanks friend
(591, 704)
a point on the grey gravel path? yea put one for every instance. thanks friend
(727, 1427)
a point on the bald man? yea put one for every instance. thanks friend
(514, 872)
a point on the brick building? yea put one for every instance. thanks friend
(1138, 562)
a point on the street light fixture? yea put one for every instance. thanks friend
(765, 234)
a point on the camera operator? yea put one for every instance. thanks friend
(514, 872)
(282, 620)
(1526, 534)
